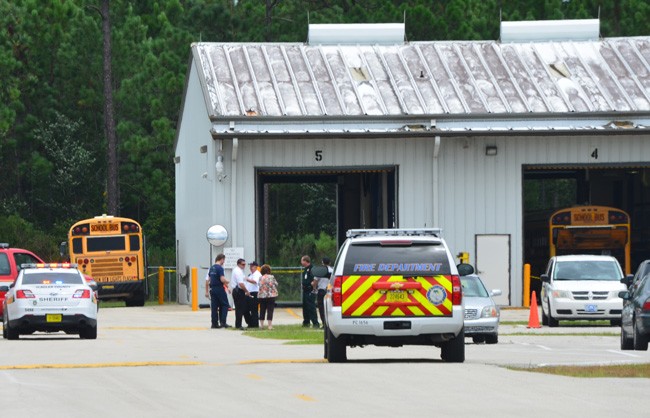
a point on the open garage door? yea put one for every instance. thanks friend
(548, 188)
(364, 198)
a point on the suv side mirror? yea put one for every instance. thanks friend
(465, 269)
(4, 288)
(627, 280)
(544, 278)
(625, 295)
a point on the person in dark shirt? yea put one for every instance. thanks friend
(215, 290)
(308, 295)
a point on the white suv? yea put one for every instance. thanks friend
(394, 287)
(582, 287)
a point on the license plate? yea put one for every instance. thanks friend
(591, 308)
(397, 296)
(53, 318)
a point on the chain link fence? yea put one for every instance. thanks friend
(289, 287)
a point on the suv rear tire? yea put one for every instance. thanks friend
(640, 340)
(453, 351)
(335, 348)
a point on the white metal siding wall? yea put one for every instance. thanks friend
(412, 157)
(481, 194)
(193, 192)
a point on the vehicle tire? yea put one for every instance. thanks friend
(335, 348)
(552, 322)
(627, 343)
(4, 332)
(640, 340)
(544, 318)
(12, 333)
(492, 339)
(453, 351)
(136, 300)
(478, 339)
(325, 343)
(88, 333)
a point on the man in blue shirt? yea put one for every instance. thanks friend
(215, 290)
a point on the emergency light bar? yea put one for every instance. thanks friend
(352, 233)
(48, 265)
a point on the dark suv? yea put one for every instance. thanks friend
(394, 287)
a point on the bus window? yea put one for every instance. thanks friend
(134, 242)
(105, 243)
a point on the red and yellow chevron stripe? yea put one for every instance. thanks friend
(424, 296)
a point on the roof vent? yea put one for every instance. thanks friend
(355, 33)
(550, 30)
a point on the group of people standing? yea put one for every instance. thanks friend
(257, 289)
(254, 294)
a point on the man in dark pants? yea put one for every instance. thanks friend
(214, 289)
(252, 284)
(321, 284)
(240, 294)
(308, 294)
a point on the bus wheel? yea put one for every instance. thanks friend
(136, 300)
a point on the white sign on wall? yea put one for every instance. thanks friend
(232, 254)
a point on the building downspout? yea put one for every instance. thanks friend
(233, 192)
(436, 153)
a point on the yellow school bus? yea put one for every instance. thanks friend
(591, 230)
(110, 249)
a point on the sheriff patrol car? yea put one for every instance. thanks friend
(394, 287)
(50, 298)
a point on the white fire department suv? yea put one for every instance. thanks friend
(394, 287)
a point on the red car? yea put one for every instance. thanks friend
(10, 261)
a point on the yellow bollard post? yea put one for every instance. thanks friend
(161, 285)
(195, 289)
(526, 285)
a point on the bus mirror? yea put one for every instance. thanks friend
(63, 249)
(627, 280)
(544, 278)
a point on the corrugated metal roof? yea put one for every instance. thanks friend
(514, 82)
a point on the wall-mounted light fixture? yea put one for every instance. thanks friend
(491, 150)
(219, 166)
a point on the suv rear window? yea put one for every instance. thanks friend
(416, 258)
(51, 278)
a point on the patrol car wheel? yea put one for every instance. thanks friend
(88, 333)
(335, 348)
(12, 333)
(453, 351)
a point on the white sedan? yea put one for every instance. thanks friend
(50, 298)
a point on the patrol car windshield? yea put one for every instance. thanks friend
(587, 270)
(416, 259)
(52, 278)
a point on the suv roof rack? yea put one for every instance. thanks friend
(435, 232)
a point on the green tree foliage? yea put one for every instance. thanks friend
(52, 145)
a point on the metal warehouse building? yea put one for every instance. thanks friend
(415, 134)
